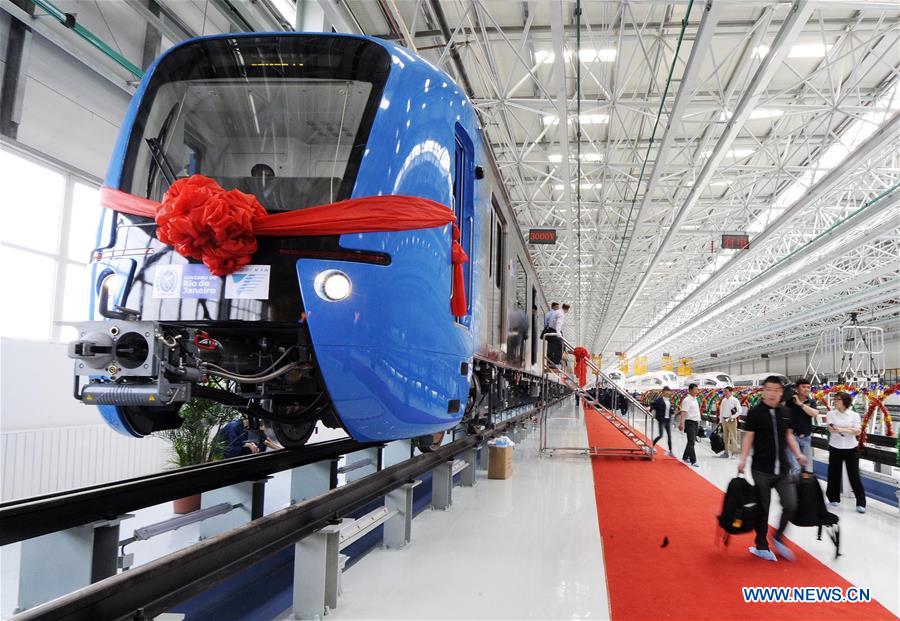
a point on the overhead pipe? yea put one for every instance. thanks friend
(69, 21)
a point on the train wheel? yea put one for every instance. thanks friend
(428, 443)
(293, 436)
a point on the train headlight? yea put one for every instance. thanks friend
(333, 285)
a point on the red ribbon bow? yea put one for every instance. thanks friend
(203, 221)
(581, 356)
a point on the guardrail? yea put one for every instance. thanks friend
(150, 589)
(49, 513)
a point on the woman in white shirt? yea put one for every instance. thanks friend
(844, 425)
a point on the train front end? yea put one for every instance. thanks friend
(353, 330)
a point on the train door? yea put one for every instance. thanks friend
(464, 208)
(534, 326)
(498, 269)
(518, 318)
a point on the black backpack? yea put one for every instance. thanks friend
(740, 510)
(715, 442)
(811, 510)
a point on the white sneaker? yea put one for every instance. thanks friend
(834, 504)
(765, 555)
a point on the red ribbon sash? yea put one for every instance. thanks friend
(203, 221)
(581, 356)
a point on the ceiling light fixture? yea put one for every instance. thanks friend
(594, 118)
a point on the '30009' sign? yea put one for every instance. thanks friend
(542, 236)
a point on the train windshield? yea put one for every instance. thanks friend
(285, 118)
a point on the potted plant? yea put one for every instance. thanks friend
(196, 440)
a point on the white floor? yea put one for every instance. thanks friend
(524, 548)
(527, 547)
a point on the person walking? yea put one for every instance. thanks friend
(803, 415)
(689, 423)
(662, 411)
(843, 426)
(768, 434)
(729, 413)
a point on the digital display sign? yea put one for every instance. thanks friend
(542, 236)
(735, 242)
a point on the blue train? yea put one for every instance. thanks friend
(353, 330)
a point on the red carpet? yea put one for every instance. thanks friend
(640, 503)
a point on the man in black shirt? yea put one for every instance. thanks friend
(768, 433)
(803, 414)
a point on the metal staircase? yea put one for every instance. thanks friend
(641, 448)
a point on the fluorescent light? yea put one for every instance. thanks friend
(587, 55)
(556, 158)
(802, 50)
(590, 55)
(814, 50)
(732, 153)
(594, 118)
(584, 186)
(690, 183)
(758, 113)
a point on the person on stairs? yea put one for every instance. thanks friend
(843, 427)
(729, 413)
(662, 411)
(689, 423)
(767, 432)
(555, 327)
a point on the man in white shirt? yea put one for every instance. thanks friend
(690, 422)
(729, 412)
(555, 321)
(554, 306)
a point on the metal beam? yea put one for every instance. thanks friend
(15, 73)
(340, 16)
(66, 44)
(689, 80)
(879, 140)
(151, 16)
(790, 30)
(847, 231)
(562, 110)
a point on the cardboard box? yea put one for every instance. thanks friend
(500, 462)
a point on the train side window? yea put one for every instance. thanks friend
(463, 203)
(497, 234)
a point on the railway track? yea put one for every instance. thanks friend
(151, 589)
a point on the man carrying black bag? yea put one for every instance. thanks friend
(770, 437)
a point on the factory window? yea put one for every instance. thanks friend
(48, 231)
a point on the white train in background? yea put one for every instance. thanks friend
(715, 379)
(652, 381)
(756, 379)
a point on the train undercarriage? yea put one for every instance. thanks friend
(265, 370)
